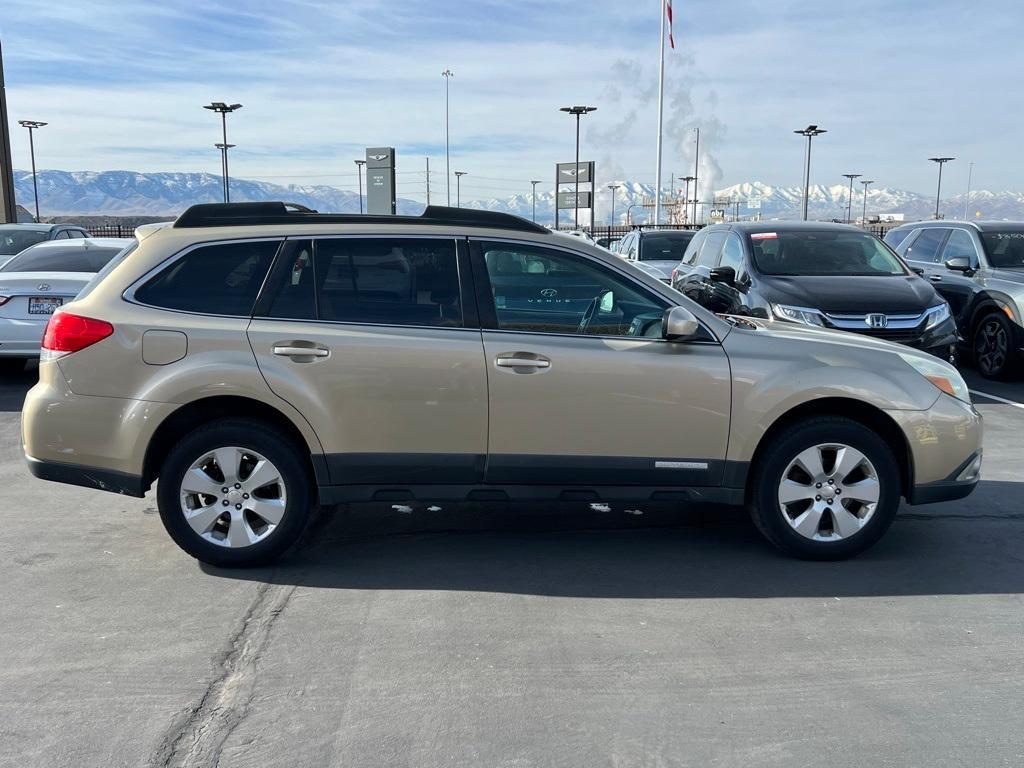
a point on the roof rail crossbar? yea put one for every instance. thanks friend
(276, 212)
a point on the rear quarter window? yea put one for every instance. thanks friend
(218, 279)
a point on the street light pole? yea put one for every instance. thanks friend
(224, 160)
(696, 164)
(849, 203)
(612, 188)
(967, 200)
(458, 188)
(535, 183)
(447, 75)
(223, 110)
(941, 161)
(359, 170)
(864, 210)
(686, 196)
(578, 111)
(810, 132)
(32, 125)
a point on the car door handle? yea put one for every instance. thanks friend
(935, 278)
(288, 351)
(535, 363)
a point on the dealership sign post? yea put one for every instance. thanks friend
(380, 180)
(573, 175)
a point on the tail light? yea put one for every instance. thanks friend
(675, 274)
(4, 300)
(67, 333)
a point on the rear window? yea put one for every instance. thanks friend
(49, 258)
(17, 240)
(221, 279)
(894, 237)
(926, 245)
(664, 246)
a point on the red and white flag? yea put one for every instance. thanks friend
(668, 11)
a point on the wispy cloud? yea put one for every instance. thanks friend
(122, 85)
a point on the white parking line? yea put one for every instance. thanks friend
(997, 398)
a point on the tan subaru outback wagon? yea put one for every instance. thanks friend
(257, 359)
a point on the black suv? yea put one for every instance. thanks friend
(979, 268)
(828, 275)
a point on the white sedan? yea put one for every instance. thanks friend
(39, 280)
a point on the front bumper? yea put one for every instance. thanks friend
(940, 341)
(945, 449)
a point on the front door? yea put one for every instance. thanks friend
(368, 338)
(582, 388)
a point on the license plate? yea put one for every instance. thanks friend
(43, 305)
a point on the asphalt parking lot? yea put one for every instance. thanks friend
(501, 636)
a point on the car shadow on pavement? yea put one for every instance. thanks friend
(956, 548)
(14, 388)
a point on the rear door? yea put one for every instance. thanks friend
(583, 389)
(372, 340)
(697, 283)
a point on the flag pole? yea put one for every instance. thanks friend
(661, 109)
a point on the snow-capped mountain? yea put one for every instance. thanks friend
(128, 193)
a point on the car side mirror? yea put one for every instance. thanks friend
(725, 275)
(959, 264)
(679, 324)
(917, 270)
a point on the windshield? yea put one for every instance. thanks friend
(74, 258)
(15, 240)
(1005, 247)
(823, 252)
(664, 246)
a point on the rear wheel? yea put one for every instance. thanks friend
(11, 366)
(993, 346)
(235, 493)
(826, 489)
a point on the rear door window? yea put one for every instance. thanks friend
(926, 245)
(384, 281)
(218, 279)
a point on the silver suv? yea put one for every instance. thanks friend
(258, 359)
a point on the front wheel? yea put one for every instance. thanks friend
(825, 489)
(235, 493)
(993, 346)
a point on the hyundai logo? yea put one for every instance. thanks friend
(549, 293)
(43, 287)
(877, 321)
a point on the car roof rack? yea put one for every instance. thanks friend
(254, 214)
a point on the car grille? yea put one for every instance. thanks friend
(902, 328)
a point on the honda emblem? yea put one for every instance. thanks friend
(877, 321)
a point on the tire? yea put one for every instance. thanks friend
(12, 366)
(845, 525)
(260, 520)
(993, 346)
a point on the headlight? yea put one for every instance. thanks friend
(941, 374)
(803, 315)
(937, 315)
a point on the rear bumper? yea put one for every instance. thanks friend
(87, 477)
(21, 338)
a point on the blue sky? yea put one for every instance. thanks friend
(122, 82)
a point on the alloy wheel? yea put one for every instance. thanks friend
(991, 346)
(233, 497)
(829, 492)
